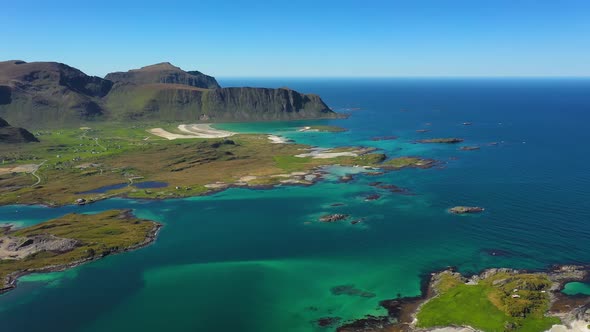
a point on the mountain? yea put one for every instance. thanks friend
(164, 73)
(42, 94)
(10, 134)
(47, 92)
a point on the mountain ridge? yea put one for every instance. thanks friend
(38, 94)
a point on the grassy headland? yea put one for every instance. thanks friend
(503, 301)
(70, 240)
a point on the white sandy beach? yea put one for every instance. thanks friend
(277, 139)
(326, 154)
(201, 130)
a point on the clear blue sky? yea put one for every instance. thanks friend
(306, 38)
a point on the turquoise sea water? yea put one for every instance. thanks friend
(577, 288)
(250, 260)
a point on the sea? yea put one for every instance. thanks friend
(259, 260)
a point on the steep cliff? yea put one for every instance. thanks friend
(177, 102)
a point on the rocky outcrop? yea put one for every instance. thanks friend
(450, 140)
(466, 209)
(41, 94)
(333, 217)
(19, 247)
(10, 134)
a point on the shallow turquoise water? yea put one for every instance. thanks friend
(576, 288)
(250, 260)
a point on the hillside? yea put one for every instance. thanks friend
(10, 134)
(41, 94)
(46, 92)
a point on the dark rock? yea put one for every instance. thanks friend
(372, 197)
(450, 140)
(328, 321)
(356, 221)
(333, 217)
(350, 290)
(346, 178)
(469, 148)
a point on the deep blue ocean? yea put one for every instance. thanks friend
(250, 260)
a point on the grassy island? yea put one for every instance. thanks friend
(68, 241)
(407, 162)
(500, 301)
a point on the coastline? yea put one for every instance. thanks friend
(11, 281)
(402, 312)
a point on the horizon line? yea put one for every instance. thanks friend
(405, 77)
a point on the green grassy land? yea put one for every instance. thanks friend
(98, 235)
(490, 305)
(407, 162)
(78, 160)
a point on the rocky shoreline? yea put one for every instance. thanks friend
(402, 311)
(11, 280)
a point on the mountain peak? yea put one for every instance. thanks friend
(164, 73)
(160, 66)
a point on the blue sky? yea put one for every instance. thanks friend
(306, 38)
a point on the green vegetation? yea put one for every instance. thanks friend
(96, 235)
(501, 302)
(64, 96)
(71, 161)
(327, 129)
(408, 162)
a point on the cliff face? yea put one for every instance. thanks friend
(10, 134)
(42, 94)
(262, 104)
(225, 104)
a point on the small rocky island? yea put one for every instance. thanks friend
(329, 218)
(69, 241)
(407, 162)
(450, 140)
(466, 209)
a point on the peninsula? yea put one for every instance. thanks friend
(69, 241)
